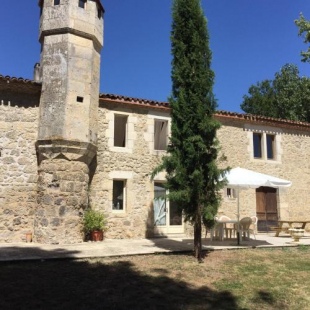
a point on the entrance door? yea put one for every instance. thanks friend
(167, 217)
(266, 208)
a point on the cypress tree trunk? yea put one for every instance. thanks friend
(197, 235)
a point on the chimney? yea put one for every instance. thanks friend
(37, 73)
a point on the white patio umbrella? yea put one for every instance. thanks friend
(239, 178)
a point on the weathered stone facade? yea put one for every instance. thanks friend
(291, 163)
(57, 191)
(135, 162)
(18, 165)
(62, 199)
(60, 152)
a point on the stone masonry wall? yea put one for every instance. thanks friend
(66, 188)
(62, 199)
(18, 168)
(134, 164)
(291, 163)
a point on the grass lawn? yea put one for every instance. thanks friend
(230, 279)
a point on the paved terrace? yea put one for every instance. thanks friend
(121, 247)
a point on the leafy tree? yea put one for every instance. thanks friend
(287, 96)
(304, 31)
(192, 172)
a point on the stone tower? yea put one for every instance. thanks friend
(71, 37)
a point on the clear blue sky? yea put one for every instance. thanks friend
(250, 41)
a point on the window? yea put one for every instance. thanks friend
(160, 204)
(230, 193)
(99, 12)
(56, 2)
(270, 139)
(264, 146)
(160, 134)
(79, 99)
(82, 4)
(257, 145)
(120, 130)
(118, 202)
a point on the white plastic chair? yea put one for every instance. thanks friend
(216, 232)
(244, 227)
(253, 226)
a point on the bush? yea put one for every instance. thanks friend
(94, 220)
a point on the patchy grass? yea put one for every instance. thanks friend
(229, 279)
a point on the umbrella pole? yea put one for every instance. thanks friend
(238, 217)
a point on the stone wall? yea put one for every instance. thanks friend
(18, 168)
(133, 164)
(62, 199)
(291, 163)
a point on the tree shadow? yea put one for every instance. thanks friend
(187, 244)
(100, 284)
(266, 297)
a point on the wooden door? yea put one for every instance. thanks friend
(266, 208)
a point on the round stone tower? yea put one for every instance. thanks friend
(71, 36)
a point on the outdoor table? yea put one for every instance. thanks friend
(222, 226)
(280, 228)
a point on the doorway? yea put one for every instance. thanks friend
(266, 208)
(167, 216)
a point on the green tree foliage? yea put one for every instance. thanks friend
(304, 31)
(287, 96)
(192, 172)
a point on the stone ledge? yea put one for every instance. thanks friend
(69, 150)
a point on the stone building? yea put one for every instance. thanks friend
(64, 146)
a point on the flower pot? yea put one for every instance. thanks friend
(97, 235)
(28, 237)
(297, 233)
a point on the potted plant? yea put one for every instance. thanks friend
(94, 224)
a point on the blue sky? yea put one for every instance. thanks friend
(250, 41)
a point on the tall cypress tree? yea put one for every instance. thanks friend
(191, 162)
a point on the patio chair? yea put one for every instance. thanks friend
(244, 227)
(253, 226)
(216, 231)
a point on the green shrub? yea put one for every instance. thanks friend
(93, 220)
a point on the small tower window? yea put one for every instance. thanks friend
(99, 13)
(82, 4)
(56, 2)
(79, 99)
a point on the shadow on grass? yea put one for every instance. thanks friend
(266, 297)
(100, 284)
(207, 244)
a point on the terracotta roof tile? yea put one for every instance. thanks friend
(262, 119)
(134, 101)
(19, 85)
(10, 79)
(220, 114)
